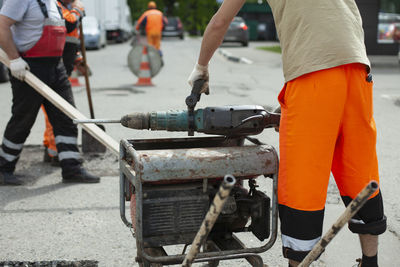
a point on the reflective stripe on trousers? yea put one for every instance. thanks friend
(25, 107)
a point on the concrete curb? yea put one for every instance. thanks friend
(230, 57)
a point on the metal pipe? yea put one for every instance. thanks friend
(122, 181)
(97, 121)
(210, 219)
(350, 211)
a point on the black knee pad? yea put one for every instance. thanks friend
(372, 228)
(370, 219)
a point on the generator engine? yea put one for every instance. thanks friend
(172, 214)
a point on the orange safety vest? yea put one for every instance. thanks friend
(72, 19)
(154, 20)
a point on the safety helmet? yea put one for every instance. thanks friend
(151, 4)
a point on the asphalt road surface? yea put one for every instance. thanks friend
(45, 220)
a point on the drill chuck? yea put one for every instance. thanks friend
(172, 120)
(137, 120)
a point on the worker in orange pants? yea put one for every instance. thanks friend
(326, 124)
(325, 127)
(153, 20)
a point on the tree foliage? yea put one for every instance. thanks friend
(392, 6)
(196, 14)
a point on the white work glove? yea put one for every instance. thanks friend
(18, 68)
(200, 73)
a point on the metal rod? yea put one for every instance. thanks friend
(97, 121)
(350, 211)
(210, 219)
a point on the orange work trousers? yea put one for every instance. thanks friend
(326, 126)
(154, 39)
(48, 137)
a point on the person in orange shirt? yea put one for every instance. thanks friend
(153, 20)
(72, 11)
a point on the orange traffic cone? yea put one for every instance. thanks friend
(144, 72)
(73, 79)
(74, 82)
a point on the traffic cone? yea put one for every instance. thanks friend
(144, 72)
(73, 79)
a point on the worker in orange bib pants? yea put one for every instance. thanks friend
(72, 11)
(153, 20)
(327, 122)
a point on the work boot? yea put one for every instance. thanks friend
(8, 178)
(82, 176)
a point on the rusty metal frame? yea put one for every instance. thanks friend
(129, 174)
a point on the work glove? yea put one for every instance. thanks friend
(18, 68)
(200, 73)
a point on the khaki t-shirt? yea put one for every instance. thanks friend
(318, 34)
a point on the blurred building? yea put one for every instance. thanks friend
(370, 10)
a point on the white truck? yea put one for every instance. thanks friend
(114, 15)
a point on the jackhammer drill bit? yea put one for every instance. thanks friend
(97, 121)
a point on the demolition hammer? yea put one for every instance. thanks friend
(237, 120)
(240, 120)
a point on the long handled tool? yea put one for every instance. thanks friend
(65, 107)
(89, 144)
(350, 211)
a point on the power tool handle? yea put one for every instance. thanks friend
(195, 94)
(272, 120)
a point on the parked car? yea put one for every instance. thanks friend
(94, 33)
(237, 32)
(174, 28)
